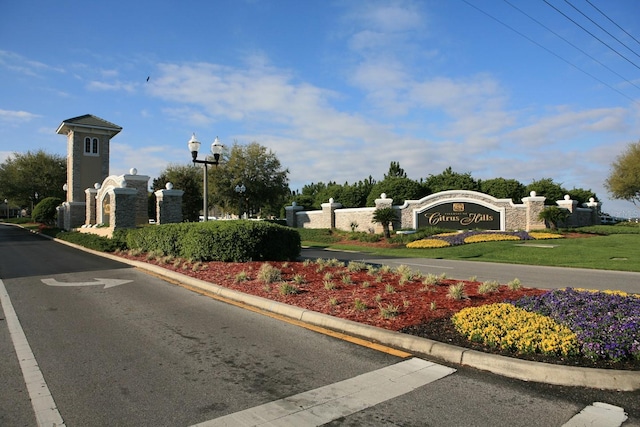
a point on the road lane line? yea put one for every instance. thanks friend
(41, 400)
(325, 404)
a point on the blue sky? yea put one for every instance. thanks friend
(337, 89)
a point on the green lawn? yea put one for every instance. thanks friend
(611, 252)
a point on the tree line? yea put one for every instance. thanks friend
(399, 187)
(28, 178)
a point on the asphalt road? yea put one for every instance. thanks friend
(530, 275)
(116, 346)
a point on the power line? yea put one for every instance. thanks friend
(599, 26)
(568, 42)
(550, 51)
(591, 34)
(612, 21)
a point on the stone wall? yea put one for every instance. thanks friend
(512, 216)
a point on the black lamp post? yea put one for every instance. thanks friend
(240, 189)
(216, 150)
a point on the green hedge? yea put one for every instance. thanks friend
(230, 241)
(91, 241)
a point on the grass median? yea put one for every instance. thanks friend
(602, 247)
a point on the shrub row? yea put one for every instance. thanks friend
(228, 241)
(91, 241)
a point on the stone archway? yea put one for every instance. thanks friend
(105, 210)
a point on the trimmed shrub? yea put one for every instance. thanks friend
(229, 241)
(92, 241)
(45, 211)
(161, 238)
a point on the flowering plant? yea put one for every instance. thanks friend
(511, 328)
(474, 236)
(607, 324)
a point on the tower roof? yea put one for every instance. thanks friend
(88, 121)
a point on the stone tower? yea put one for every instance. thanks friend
(88, 139)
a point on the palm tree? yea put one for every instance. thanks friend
(554, 216)
(385, 217)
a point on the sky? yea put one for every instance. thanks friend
(519, 89)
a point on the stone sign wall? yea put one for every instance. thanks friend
(454, 209)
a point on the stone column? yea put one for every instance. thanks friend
(328, 214)
(123, 208)
(595, 210)
(291, 213)
(168, 205)
(568, 204)
(140, 183)
(534, 205)
(384, 202)
(60, 214)
(90, 196)
(571, 206)
(75, 213)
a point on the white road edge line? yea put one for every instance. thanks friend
(44, 407)
(598, 414)
(324, 404)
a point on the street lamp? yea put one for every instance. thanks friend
(6, 202)
(216, 150)
(34, 201)
(240, 189)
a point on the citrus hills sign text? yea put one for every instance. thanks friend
(460, 215)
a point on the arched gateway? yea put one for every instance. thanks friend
(95, 199)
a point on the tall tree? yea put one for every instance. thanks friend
(185, 178)
(548, 188)
(399, 189)
(450, 180)
(22, 176)
(395, 171)
(502, 188)
(581, 195)
(259, 170)
(624, 180)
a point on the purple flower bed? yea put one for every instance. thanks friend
(607, 325)
(458, 238)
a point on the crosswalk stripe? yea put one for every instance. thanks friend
(324, 404)
(599, 414)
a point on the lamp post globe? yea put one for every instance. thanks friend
(216, 150)
(194, 147)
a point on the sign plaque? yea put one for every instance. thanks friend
(460, 216)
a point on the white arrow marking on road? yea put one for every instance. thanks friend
(108, 283)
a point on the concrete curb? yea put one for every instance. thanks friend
(604, 379)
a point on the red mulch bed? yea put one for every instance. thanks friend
(413, 301)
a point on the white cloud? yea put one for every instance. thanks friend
(10, 116)
(111, 86)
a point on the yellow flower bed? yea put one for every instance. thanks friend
(453, 233)
(511, 328)
(427, 244)
(538, 235)
(609, 292)
(490, 237)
